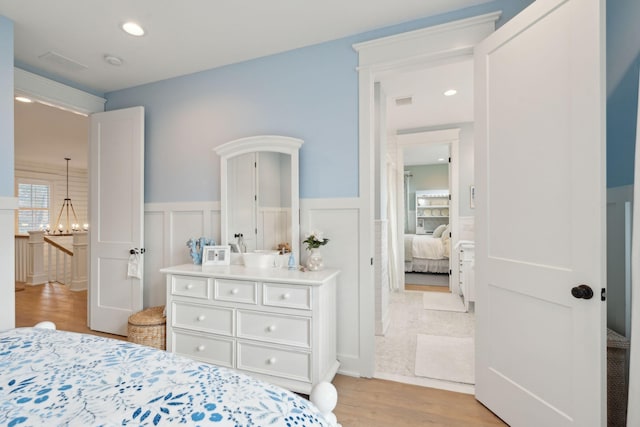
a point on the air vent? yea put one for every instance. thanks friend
(62, 61)
(405, 100)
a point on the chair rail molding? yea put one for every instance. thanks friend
(8, 203)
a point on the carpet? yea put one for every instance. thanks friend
(443, 302)
(445, 358)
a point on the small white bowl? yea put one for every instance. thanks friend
(259, 259)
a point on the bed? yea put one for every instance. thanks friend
(424, 253)
(50, 377)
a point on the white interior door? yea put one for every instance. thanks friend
(116, 212)
(540, 183)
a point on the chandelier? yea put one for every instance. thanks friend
(68, 210)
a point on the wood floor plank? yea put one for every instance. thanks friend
(361, 402)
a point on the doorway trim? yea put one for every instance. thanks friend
(451, 136)
(56, 94)
(402, 52)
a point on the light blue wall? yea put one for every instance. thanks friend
(309, 93)
(623, 65)
(6, 107)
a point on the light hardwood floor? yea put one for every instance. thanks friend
(362, 402)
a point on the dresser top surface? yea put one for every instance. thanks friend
(280, 275)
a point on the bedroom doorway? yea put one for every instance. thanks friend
(427, 208)
(424, 333)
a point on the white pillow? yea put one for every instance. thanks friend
(438, 231)
(446, 233)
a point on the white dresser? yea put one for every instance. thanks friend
(276, 324)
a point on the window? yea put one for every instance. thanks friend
(33, 206)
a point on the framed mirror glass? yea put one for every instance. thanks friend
(259, 194)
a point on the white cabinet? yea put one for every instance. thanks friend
(275, 324)
(432, 210)
(466, 256)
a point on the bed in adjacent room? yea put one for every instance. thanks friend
(428, 253)
(50, 377)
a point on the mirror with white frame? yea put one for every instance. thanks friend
(259, 192)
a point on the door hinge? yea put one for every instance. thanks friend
(371, 260)
(449, 196)
(450, 272)
(603, 294)
(449, 159)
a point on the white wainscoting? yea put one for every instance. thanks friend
(338, 220)
(8, 205)
(168, 226)
(619, 218)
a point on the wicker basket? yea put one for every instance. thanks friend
(617, 346)
(148, 327)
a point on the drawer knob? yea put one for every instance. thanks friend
(271, 328)
(234, 291)
(200, 347)
(286, 296)
(189, 286)
(201, 317)
(272, 361)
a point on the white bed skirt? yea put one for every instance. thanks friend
(421, 265)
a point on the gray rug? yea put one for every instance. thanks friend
(443, 301)
(426, 279)
(445, 358)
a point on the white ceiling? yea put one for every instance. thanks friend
(429, 108)
(190, 36)
(47, 135)
(426, 87)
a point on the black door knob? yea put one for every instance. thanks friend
(582, 291)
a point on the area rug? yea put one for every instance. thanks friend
(427, 279)
(443, 301)
(445, 358)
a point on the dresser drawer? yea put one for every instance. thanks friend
(236, 291)
(190, 286)
(274, 328)
(281, 295)
(274, 361)
(209, 349)
(218, 320)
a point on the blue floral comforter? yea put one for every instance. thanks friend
(50, 378)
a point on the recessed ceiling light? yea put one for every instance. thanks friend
(441, 159)
(113, 60)
(450, 92)
(23, 99)
(133, 28)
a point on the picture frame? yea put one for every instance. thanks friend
(216, 255)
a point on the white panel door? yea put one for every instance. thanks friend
(540, 182)
(116, 179)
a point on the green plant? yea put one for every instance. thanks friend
(314, 240)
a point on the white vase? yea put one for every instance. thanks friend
(314, 260)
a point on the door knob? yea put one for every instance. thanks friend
(582, 291)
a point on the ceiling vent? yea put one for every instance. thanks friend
(404, 100)
(62, 61)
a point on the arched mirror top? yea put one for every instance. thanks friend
(259, 193)
(276, 143)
